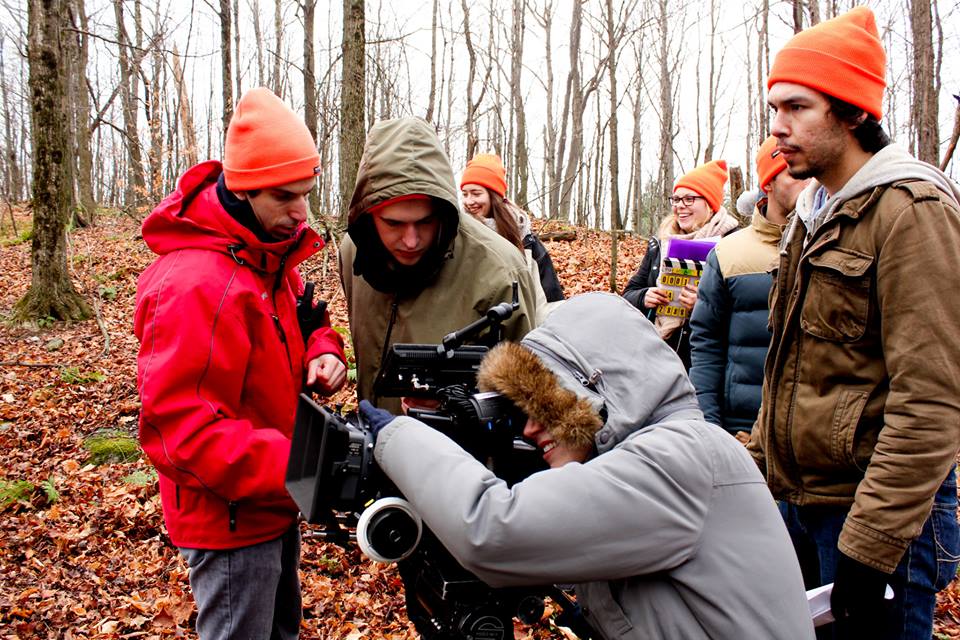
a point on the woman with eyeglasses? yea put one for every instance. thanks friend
(697, 212)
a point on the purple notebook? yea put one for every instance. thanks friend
(690, 249)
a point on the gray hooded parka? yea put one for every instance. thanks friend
(670, 532)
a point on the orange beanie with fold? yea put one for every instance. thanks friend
(842, 57)
(769, 161)
(707, 180)
(267, 144)
(486, 169)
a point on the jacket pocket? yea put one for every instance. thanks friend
(837, 301)
(843, 432)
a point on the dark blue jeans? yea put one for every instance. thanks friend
(250, 593)
(928, 565)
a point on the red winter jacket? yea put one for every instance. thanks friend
(220, 366)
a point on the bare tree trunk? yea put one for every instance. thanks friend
(814, 7)
(189, 149)
(277, 79)
(136, 189)
(797, 6)
(236, 47)
(522, 161)
(310, 84)
(157, 151)
(666, 114)
(575, 92)
(763, 70)
(258, 40)
(225, 63)
(84, 152)
(954, 137)
(469, 124)
(12, 187)
(712, 85)
(352, 89)
(433, 61)
(51, 292)
(924, 112)
(551, 186)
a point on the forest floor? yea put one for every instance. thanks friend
(83, 549)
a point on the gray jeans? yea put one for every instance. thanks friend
(251, 592)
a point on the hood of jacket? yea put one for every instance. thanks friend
(597, 391)
(192, 218)
(401, 157)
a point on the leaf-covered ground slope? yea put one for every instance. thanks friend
(83, 551)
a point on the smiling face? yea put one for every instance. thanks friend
(281, 209)
(476, 200)
(556, 454)
(690, 217)
(407, 229)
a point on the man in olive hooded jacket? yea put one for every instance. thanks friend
(413, 266)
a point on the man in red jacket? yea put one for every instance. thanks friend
(222, 360)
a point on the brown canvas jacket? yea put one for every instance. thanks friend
(861, 396)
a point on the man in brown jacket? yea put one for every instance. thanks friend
(859, 428)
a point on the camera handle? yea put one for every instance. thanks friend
(495, 316)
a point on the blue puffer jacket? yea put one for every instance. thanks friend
(729, 336)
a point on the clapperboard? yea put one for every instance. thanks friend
(682, 264)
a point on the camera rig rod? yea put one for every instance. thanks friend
(495, 316)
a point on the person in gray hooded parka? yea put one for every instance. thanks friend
(662, 520)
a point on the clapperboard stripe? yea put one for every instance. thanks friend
(680, 263)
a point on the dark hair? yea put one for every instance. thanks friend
(869, 133)
(507, 224)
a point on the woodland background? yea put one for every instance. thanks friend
(596, 106)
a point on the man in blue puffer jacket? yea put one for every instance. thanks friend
(729, 336)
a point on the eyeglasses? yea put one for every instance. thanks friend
(686, 200)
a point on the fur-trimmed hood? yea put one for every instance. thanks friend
(594, 371)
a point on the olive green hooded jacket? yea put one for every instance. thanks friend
(469, 270)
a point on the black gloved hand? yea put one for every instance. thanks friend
(857, 600)
(375, 418)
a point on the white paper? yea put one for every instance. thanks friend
(819, 601)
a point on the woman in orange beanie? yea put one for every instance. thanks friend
(483, 188)
(697, 212)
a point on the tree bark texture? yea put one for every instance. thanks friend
(51, 293)
(353, 83)
(924, 112)
(226, 63)
(136, 185)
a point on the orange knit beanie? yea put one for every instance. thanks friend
(769, 161)
(267, 144)
(707, 180)
(842, 57)
(487, 170)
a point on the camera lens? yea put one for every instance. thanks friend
(389, 530)
(392, 532)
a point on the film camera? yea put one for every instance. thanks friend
(335, 481)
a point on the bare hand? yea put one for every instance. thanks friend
(743, 437)
(688, 297)
(326, 373)
(655, 297)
